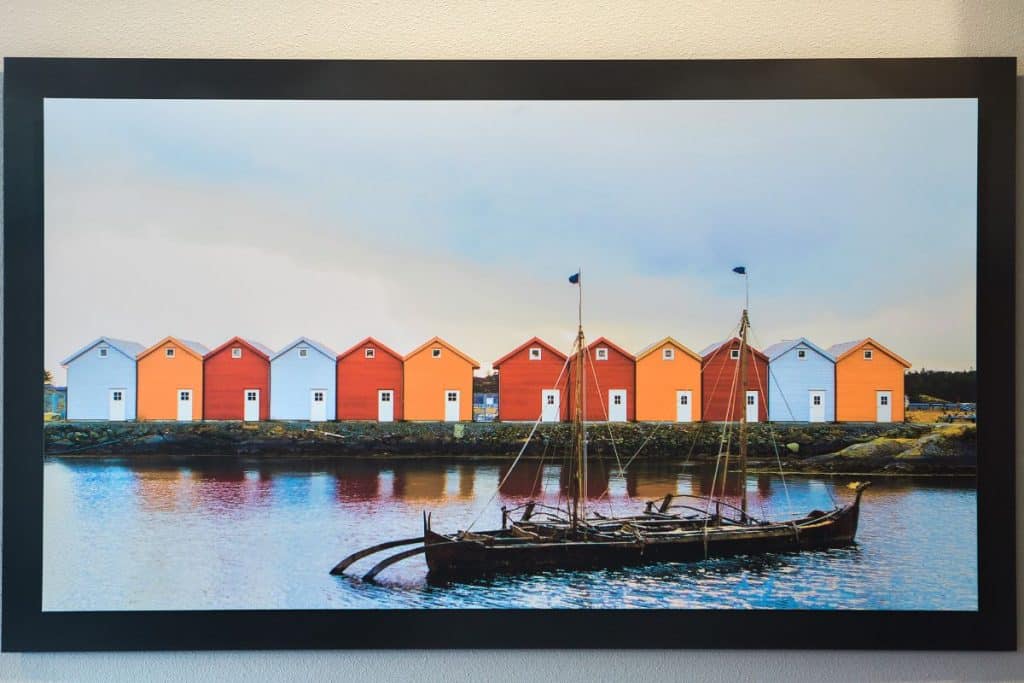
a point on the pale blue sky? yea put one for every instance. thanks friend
(338, 220)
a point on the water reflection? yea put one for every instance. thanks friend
(228, 534)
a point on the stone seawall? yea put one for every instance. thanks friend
(809, 447)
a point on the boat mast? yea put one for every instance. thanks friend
(578, 487)
(744, 324)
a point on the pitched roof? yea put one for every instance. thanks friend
(253, 345)
(713, 348)
(325, 350)
(844, 349)
(532, 341)
(376, 344)
(441, 342)
(651, 348)
(193, 348)
(127, 348)
(607, 342)
(779, 348)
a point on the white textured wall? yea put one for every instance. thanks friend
(521, 29)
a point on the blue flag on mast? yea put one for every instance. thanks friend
(574, 278)
(741, 270)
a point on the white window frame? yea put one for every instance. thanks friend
(601, 353)
(103, 352)
(169, 352)
(236, 352)
(801, 354)
(535, 353)
(734, 354)
(668, 354)
(303, 352)
(369, 353)
(869, 354)
(435, 353)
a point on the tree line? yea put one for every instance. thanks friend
(954, 386)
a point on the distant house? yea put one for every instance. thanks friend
(302, 382)
(171, 380)
(609, 376)
(102, 380)
(369, 380)
(668, 383)
(720, 363)
(801, 382)
(531, 383)
(869, 382)
(439, 383)
(237, 381)
(54, 402)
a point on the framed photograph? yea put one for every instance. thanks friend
(544, 354)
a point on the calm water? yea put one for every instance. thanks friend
(209, 533)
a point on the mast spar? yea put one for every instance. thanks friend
(744, 324)
(579, 425)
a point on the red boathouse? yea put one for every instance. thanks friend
(370, 382)
(720, 364)
(529, 386)
(610, 381)
(236, 381)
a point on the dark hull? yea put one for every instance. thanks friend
(450, 558)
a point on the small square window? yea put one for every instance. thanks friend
(868, 354)
(369, 353)
(184, 395)
(169, 353)
(734, 354)
(453, 397)
(236, 352)
(385, 396)
(550, 400)
(250, 395)
(817, 400)
(801, 354)
(318, 397)
(750, 400)
(684, 400)
(303, 353)
(602, 353)
(117, 396)
(668, 354)
(884, 400)
(535, 353)
(617, 400)
(435, 353)
(103, 352)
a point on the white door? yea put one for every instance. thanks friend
(550, 402)
(751, 406)
(184, 405)
(684, 406)
(117, 411)
(616, 405)
(252, 405)
(317, 405)
(385, 405)
(883, 401)
(816, 412)
(451, 405)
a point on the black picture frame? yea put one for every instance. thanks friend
(28, 81)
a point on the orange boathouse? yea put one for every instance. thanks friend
(370, 383)
(668, 383)
(439, 383)
(170, 377)
(531, 383)
(869, 382)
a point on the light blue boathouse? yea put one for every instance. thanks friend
(302, 382)
(101, 380)
(801, 382)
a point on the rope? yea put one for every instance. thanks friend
(520, 455)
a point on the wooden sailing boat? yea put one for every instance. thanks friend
(674, 528)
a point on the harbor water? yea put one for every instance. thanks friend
(223, 533)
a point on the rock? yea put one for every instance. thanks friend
(793, 447)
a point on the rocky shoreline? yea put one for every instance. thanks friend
(897, 448)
